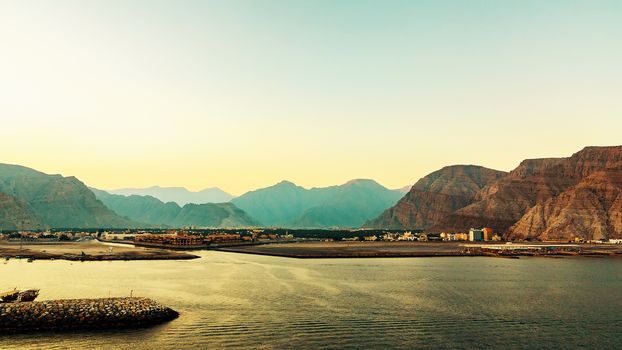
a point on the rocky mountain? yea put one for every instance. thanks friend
(288, 205)
(179, 195)
(157, 213)
(275, 205)
(39, 200)
(501, 204)
(435, 196)
(554, 198)
(214, 215)
(15, 214)
(592, 209)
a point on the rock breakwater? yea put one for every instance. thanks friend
(68, 314)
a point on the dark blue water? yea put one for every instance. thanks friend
(231, 300)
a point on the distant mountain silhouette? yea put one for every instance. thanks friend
(33, 199)
(288, 205)
(179, 195)
(153, 211)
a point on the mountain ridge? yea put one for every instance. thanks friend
(348, 205)
(178, 194)
(153, 211)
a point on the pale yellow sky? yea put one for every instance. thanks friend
(241, 96)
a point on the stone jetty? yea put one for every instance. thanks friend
(70, 314)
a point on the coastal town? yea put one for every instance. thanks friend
(86, 245)
(214, 237)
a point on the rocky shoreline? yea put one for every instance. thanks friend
(79, 314)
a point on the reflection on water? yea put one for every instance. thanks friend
(247, 301)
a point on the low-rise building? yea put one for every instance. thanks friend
(488, 233)
(110, 236)
(223, 238)
(461, 236)
(407, 236)
(476, 235)
(390, 236)
(509, 248)
(168, 239)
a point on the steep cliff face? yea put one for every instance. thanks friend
(503, 203)
(532, 184)
(594, 159)
(435, 196)
(591, 210)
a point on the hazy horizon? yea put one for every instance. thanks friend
(119, 190)
(240, 95)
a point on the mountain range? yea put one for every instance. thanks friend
(32, 199)
(546, 199)
(346, 206)
(179, 195)
(550, 198)
(153, 211)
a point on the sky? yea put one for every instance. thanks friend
(243, 94)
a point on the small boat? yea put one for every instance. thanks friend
(9, 296)
(30, 260)
(28, 295)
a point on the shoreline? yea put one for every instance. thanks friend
(212, 246)
(89, 251)
(342, 250)
(343, 255)
(116, 251)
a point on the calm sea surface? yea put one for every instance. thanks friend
(229, 300)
